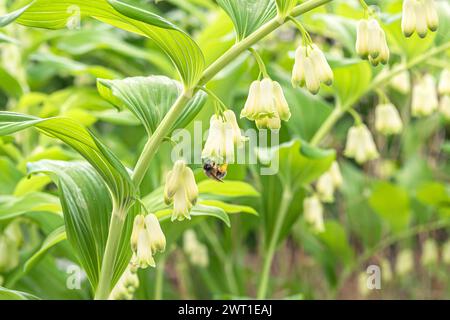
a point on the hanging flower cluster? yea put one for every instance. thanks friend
(444, 92)
(371, 42)
(419, 16)
(196, 251)
(266, 105)
(147, 239)
(181, 190)
(387, 119)
(311, 68)
(360, 144)
(126, 286)
(425, 97)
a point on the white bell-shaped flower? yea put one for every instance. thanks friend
(425, 98)
(387, 119)
(196, 251)
(419, 16)
(444, 82)
(155, 233)
(266, 104)
(311, 68)
(336, 175)
(360, 144)
(143, 257)
(405, 262)
(401, 82)
(444, 107)
(325, 188)
(430, 253)
(446, 252)
(313, 213)
(371, 42)
(181, 190)
(386, 270)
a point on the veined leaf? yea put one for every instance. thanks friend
(179, 46)
(87, 208)
(199, 210)
(10, 17)
(7, 294)
(299, 164)
(52, 240)
(107, 165)
(285, 6)
(248, 15)
(12, 207)
(150, 98)
(229, 207)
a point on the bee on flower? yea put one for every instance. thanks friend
(311, 68)
(425, 98)
(371, 42)
(181, 190)
(147, 239)
(266, 105)
(419, 16)
(360, 144)
(224, 135)
(313, 213)
(387, 119)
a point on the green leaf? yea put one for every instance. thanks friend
(179, 46)
(102, 159)
(7, 294)
(298, 163)
(433, 193)
(392, 203)
(150, 98)
(248, 15)
(52, 240)
(11, 17)
(13, 207)
(227, 188)
(87, 208)
(335, 239)
(9, 84)
(228, 207)
(198, 210)
(9, 176)
(351, 80)
(285, 6)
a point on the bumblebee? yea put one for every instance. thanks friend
(215, 171)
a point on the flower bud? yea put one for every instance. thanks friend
(386, 270)
(446, 253)
(336, 175)
(126, 286)
(360, 144)
(9, 254)
(325, 188)
(430, 253)
(444, 82)
(421, 20)
(143, 256)
(362, 39)
(401, 82)
(138, 225)
(431, 14)
(156, 235)
(387, 119)
(444, 107)
(322, 68)
(409, 17)
(298, 72)
(425, 100)
(281, 104)
(405, 262)
(313, 213)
